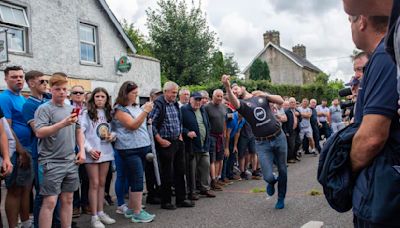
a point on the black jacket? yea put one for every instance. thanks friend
(288, 125)
(190, 124)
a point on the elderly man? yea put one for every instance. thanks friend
(167, 129)
(184, 95)
(196, 130)
(292, 128)
(271, 142)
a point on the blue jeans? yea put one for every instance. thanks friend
(134, 161)
(121, 183)
(37, 205)
(268, 151)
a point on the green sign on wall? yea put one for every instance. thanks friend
(124, 64)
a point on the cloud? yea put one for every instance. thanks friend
(307, 7)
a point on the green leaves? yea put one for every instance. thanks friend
(259, 70)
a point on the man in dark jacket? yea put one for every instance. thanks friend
(292, 129)
(196, 130)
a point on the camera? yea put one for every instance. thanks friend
(345, 92)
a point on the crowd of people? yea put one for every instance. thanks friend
(67, 143)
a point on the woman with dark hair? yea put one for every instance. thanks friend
(95, 124)
(132, 144)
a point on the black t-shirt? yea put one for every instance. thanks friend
(257, 112)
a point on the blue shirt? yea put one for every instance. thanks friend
(11, 104)
(29, 109)
(377, 93)
(234, 124)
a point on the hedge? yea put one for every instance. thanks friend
(328, 91)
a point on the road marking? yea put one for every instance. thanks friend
(313, 224)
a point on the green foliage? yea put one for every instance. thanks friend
(221, 64)
(142, 46)
(328, 91)
(259, 70)
(322, 78)
(181, 40)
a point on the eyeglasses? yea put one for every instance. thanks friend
(78, 93)
(43, 81)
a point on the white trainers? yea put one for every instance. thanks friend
(122, 209)
(105, 219)
(96, 223)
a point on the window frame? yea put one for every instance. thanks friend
(96, 43)
(15, 7)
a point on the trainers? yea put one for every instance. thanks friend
(215, 186)
(105, 219)
(280, 204)
(76, 213)
(243, 176)
(108, 200)
(235, 178)
(96, 223)
(270, 189)
(121, 209)
(142, 217)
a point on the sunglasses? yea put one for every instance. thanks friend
(130, 87)
(77, 92)
(43, 81)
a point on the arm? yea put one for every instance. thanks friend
(227, 141)
(128, 121)
(282, 118)
(20, 150)
(7, 166)
(80, 138)
(235, 141)
(47, 131)
(276, 99)
(232, 98)
(369, 140)
(305, 115)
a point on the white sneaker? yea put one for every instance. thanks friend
(105, 219)
(96, 223)
(122, 209)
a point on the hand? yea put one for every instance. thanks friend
(226, 152)
(225, 81)
(71, 119)
(111, 137)
(148, 107)
(24, 159)
(80, 158)
(319, 125)
(7, 168)
(180, 138)
(164, 143)
(235, 149)
(95, 154)
(192, 134)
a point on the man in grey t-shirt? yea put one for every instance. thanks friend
(336, 116)
(305, 125)
(56, 126)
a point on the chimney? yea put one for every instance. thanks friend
(271, 36)
(300, 50)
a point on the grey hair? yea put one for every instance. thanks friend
(170, 85)
(75, 86)
(183, 90)
(218, 91)
(204, 93)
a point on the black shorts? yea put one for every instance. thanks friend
(246, 146)
(216, 155)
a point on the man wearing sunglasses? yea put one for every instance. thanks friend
(77, 97)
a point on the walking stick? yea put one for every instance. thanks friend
(153, 152)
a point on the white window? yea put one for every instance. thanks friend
(15, 21)
(88, 43)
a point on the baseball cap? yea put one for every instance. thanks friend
(196, 95)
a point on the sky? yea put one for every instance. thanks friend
(320, 25)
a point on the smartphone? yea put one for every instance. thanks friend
(76, 111)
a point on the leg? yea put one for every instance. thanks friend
(120, 181)
(108, 180)
(166, 158)
(103, 170)
(266, 159)
(25, 202)
(93, 171)
(179, 171)
(203, 168)
(46, 212)
(66, 208)
(280, 153)
(84, 187)
(12, 204)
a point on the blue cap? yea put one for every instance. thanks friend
(196, 95)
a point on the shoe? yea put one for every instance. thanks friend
(209, 194)
(105, 219)
(235, 178)
(243, 176)
(128, 213)
(121, 209)
(215, 186)
(221, 183)
(297, 158)
(86, 210)
(185, 203)
(96, 223)
(153, 200)
(315, 153)
(291, 161)
(194, 196)
(270, 189)
(227, 182)
(168, 206)
(142, 217)
(76, 213)
(108, 200)
(280, 204)
(256, 177)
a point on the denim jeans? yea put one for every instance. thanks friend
(268, 151)
(121, 182)
(134, 161)
(37, 205)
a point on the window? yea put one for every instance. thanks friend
(15, 21)
(88, 43)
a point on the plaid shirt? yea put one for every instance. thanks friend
(171, 125)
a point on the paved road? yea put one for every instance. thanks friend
(236, 206)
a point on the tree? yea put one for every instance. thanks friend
(221, 64)
(259, 70)
(142, 46)
(181, 40)
(322, 78)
